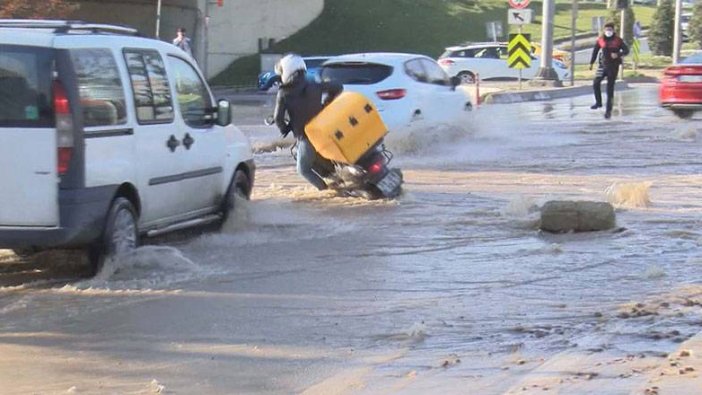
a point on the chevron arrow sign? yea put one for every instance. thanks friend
(519, 51)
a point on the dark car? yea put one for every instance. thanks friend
(269, 79)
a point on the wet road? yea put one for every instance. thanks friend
(309, 293)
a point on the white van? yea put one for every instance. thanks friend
(106, 137)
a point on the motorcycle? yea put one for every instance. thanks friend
(370, 177)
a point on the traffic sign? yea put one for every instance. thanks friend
(520, 17)
(519, 51)
(519, 4)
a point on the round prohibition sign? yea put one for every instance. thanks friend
(519, 4)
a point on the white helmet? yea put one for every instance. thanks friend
(288, 65)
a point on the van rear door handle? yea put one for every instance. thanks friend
(172, 143)
(188, 141)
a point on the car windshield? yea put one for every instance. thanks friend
(694, 59)
(25, 86)
(356, 73)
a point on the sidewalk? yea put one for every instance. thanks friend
(509, 92)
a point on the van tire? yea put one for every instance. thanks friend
(119, 236)
(239, 187)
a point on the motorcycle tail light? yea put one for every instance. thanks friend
(376, 167)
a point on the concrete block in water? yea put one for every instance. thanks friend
(577, 216)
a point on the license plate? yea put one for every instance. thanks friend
(690, 78)
(389, 183)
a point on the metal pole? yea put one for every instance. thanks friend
(206, 57)
(622, 33)
(546, 71)
(520, 70)
(677, 37)
(574, 19)
(477, 89)
(158, 19)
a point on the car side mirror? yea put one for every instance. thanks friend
(455, 81)
(224, 112)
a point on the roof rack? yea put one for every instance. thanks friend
(67, 26)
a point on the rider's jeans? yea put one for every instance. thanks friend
(305, 160)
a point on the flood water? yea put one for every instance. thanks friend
(303, 287)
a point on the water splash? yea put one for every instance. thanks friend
(633, 195)
(686, 132)
(520, 207)
(422, 138)
(145, 268)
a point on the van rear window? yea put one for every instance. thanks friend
(356, 73)
(25, 86)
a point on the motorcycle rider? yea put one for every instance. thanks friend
(610, 49)
(301, 100)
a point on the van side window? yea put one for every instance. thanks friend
(99, 86)
(152, 95)
(194, 99)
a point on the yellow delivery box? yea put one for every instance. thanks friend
(346, 129)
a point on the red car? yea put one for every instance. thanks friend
(681, 88)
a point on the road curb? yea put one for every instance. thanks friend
(507, 97)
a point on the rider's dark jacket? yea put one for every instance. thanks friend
(302, 100)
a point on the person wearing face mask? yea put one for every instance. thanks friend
(609, 49)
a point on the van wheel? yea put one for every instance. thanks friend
(120, 235)
(239, 188)
(466, 77)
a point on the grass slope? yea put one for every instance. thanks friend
(416, 26)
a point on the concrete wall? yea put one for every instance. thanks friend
(141, 14)
(233, 30)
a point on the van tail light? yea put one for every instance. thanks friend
(392, 94)
(446, 62)
(64, 127)
(64, 159)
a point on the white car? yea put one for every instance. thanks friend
(489, 62)
(404, 87)
(106, 137)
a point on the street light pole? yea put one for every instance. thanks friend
(206, 40)
(546, 71)
(574, 19)
(158, 18)
(677, 39)
(622, 32)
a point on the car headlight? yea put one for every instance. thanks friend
(559, 64)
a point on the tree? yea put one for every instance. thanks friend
(36, 9)
(616, 17)
(695, 26)
(661, 33)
